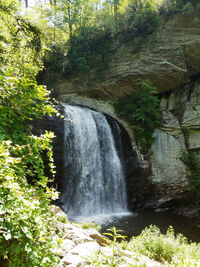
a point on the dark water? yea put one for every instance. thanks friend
(133, 225)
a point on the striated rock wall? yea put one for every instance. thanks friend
(180, 132)
(169, 58)
(168, 171)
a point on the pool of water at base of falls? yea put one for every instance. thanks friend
(133, 224)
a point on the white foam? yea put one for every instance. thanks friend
(103, 218)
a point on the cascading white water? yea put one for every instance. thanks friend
(95, 181)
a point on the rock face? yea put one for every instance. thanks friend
(180, 132)
(169, 172)
(169, 59)
(101, 106)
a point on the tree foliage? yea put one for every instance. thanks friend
(94, 28)
(83, 22)
(191, 160)
(27, 235)
(141, 110)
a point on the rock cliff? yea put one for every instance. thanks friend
(180, 132)
(170, 59)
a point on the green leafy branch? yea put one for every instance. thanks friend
(141, 110)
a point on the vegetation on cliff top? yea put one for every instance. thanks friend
(82, 35)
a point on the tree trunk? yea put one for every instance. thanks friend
(116, 2)
(70, 23)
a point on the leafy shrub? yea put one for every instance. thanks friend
(191, 160)
(116, 257)
(145, 22)
(89, 47)
(170, 7)
(21, 99)
(166, 248)
(180, 3)
(141, 109)
(155, 245)
(27, 235)
(54, 59)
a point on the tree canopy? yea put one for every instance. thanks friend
(81, 35)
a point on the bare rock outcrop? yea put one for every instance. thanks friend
(180, 132)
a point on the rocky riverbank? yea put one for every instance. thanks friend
(87, 247)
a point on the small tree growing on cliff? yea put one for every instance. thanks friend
(141, 109)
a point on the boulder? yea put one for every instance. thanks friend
(86, 249)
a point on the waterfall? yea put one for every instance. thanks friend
(94, 175)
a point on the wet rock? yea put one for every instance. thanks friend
(102, 241)
(168, 201)
(188, 212)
